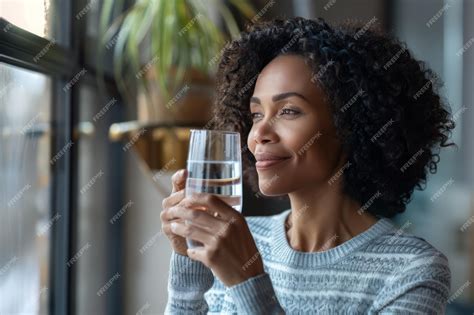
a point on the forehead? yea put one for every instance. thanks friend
(285, 73)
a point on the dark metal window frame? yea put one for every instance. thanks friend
(62, 62)
(18, 48)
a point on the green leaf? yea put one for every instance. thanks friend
(173, 42)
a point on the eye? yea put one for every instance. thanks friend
(285, 111)
(252, 115)
(289, 111)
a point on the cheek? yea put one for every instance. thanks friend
(250, 142)
(318, 158)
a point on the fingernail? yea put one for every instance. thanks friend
(174, 225)
(182, 172)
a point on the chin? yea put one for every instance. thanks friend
(271, 193)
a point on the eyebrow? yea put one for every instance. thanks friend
(279, 97)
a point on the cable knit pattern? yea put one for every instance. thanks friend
(383, 270)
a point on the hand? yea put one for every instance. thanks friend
(228, 246)
(177, 194)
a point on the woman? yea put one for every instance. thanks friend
(345, 122)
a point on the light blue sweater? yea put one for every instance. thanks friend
(383, 269)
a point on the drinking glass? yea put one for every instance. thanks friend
(214, 166)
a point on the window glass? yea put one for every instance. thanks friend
(26, 217)
(35, 16)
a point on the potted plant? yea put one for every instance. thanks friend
(169, 50)
(164, 54)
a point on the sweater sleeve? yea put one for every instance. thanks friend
(188, 281)
(255, 296)
(421, 287)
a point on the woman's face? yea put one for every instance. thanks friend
(291, 119)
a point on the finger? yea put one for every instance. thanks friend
(170, 214)
(179, 180)
(212, 203)
(173, 199)
(198, 217)
(166, 228)
(191, 231)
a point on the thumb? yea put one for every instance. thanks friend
(179, 180)
(198, 253)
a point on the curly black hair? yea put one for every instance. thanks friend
(386, 105)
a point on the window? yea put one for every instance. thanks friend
(34, 16)
(25, 191)
(48, 92)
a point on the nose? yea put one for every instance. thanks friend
(264, 132)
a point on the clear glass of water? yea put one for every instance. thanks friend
(215, 166)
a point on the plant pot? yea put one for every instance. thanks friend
(190, 104)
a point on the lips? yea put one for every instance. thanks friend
(266, 159)
(268, 163)
(264, 156)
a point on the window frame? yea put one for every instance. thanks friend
(62, 62)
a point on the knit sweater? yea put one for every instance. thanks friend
(381, 270)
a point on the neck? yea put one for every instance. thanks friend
(323, 218)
